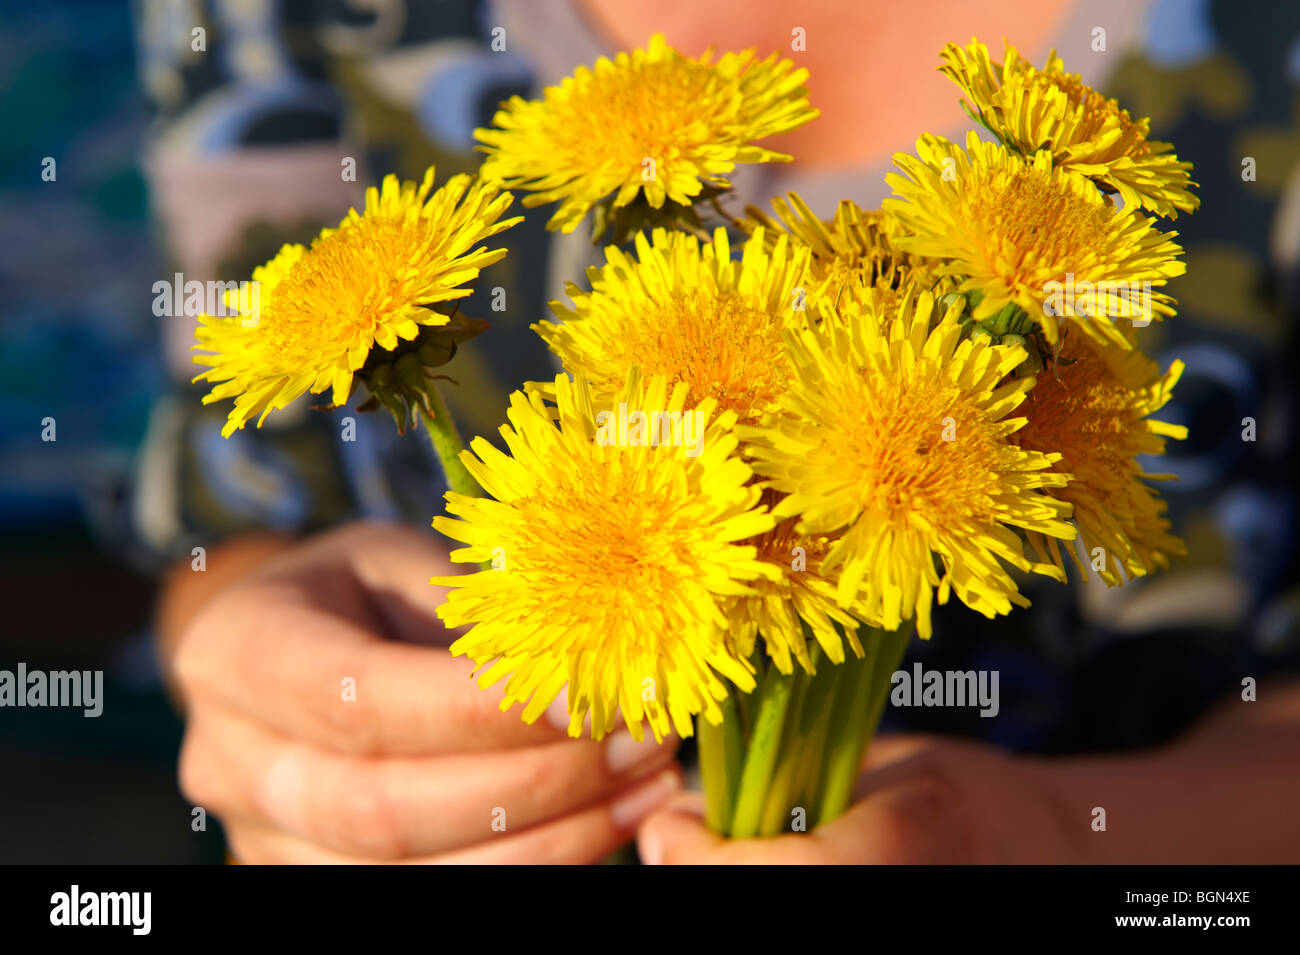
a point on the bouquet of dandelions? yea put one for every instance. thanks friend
(764, 464)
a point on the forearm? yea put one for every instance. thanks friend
(1226, 792)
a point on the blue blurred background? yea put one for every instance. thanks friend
(79, 346)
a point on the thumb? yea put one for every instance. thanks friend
(676, 834)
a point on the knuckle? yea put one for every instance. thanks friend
(927, 805)
(544, 777)
(196, 772)
(352, 730)
(467, 714)
(353, 726)
(189, 663)
(247, 849)
(209, 640)
(369, 531)
(370, 823)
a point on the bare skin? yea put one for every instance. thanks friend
(854, 52)
(257, 647)
(1223, 794)
(413, 769)
(421, 766)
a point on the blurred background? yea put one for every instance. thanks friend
(147, 139)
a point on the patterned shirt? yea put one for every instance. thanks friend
(246, 155)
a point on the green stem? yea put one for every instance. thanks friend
(797, 740)
(764, 745)
(721, 757)
(736, 224)
(848, 713)
(747, 703)
(813, 757)
(802, 742)
(894, 648)
(860, 705)
(447, 443)
(775, 816)
(699, 232)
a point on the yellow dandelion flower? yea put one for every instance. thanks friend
(1023, 232)
(1091, 408)
(651, 123)
(897, 440)
(1085, 132)
(320, 311)
(854, 251)
(610, 562)
(684, 309)
(799, 594)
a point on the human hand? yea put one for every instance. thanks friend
(419, 764)
(920, 800)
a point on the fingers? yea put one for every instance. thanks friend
(374, 572)
(398, 807)
(895, 747)
(300, 650)
(906, 812)
(675, 834)
(310, 729)
(313, 676)
(585, 836)
(393, 564)
(908, 822)
(582, 837)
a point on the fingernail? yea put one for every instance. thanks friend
(628, 810)
(557, 714)
(622, 752)
(650, 849)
